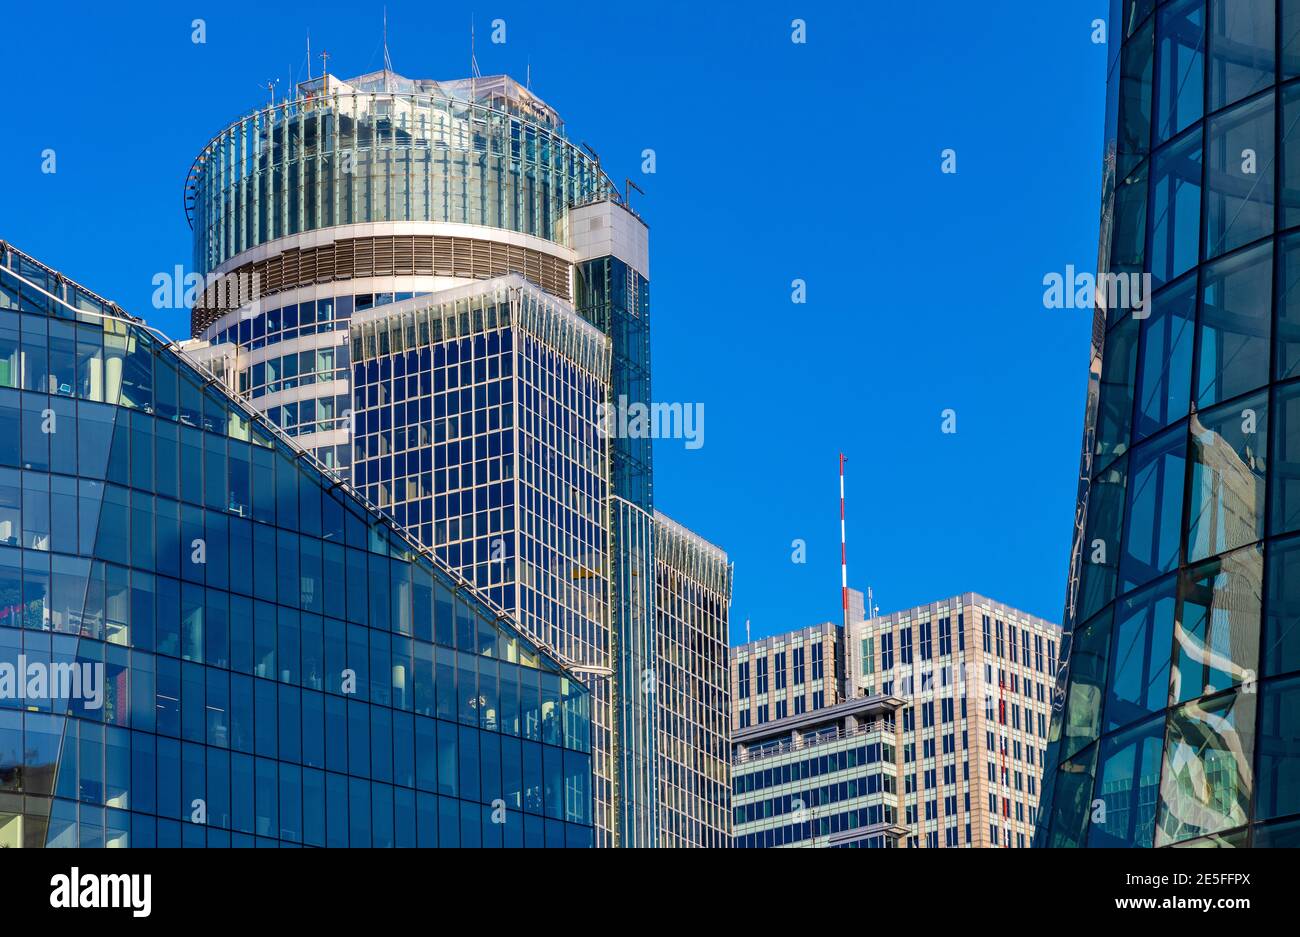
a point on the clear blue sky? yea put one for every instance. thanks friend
(775, 161)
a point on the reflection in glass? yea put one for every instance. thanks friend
(1280, 652)
(1164, 378)
(1128, 785)
(1239, 197)
(1242, 37)
(1227, 484)
(1153, 520)
(1175, 207)
(1180, 68)
(1207, 779)
(1216, 637)
(1236, 305)
(1144, 637)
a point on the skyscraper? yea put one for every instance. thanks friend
(433, 288)
(206, 640)
(693, 592)
(1175, 718)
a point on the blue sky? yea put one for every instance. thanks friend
(774, 161)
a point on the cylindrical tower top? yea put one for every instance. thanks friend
(483, 151)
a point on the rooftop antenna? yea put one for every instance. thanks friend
(309, 56)
(388, 63)
(627, 198)
(844, 560)
(528, 73)
(270, 86)
(325, 71)
(746, 630)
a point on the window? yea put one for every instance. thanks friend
(778, 667)
(742, 680)
(1279, 726)
(925, 641)
(1206, 781)
(1180, 70)
(1217, 645)
(798, 656)
(1239, 197)
(1281, 649)
(1153, 520)
(1081, 722)
(1233, 338)
(818, 667)
(1175, 208)
(1227, 484)
(1242, 37)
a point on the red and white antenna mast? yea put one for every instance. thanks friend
(844, 560)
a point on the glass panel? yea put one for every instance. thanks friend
(1233, 337)
(1153, 519)
(1102, 539)
(1290, 136)
(1071, 801)
(1175, 208)
(1281, 650)
(1216, 638)
(1128, 784)
(1279, 750)
(1135, 94)
(1290, 35)
(1242, 56)
(1180, 68)
(1144, 637)
(1288, 307)
(1206, 779)
(1285, 496)
(1115, 405)
(1239, 198)
(1081, 723)
(1164, 379)
(1227, 494)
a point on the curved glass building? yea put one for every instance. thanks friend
(1177, 713)
(206, 640)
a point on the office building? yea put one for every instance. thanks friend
(694, 591)
(1176, 719)
(969, 681)
(976, 676)
(206, 639)
(435, 290)
(825, 778)
(787, 674)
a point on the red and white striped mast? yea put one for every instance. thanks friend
(844, 561)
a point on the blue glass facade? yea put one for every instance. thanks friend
(476, 419)
(276, 664)
(1175, 716)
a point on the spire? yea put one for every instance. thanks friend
(388, 63)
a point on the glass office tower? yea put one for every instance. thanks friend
(477, 428)
(205, 640)
(1177, 712)
(693, 580)
(375, 197)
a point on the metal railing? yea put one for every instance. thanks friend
(811, 740)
